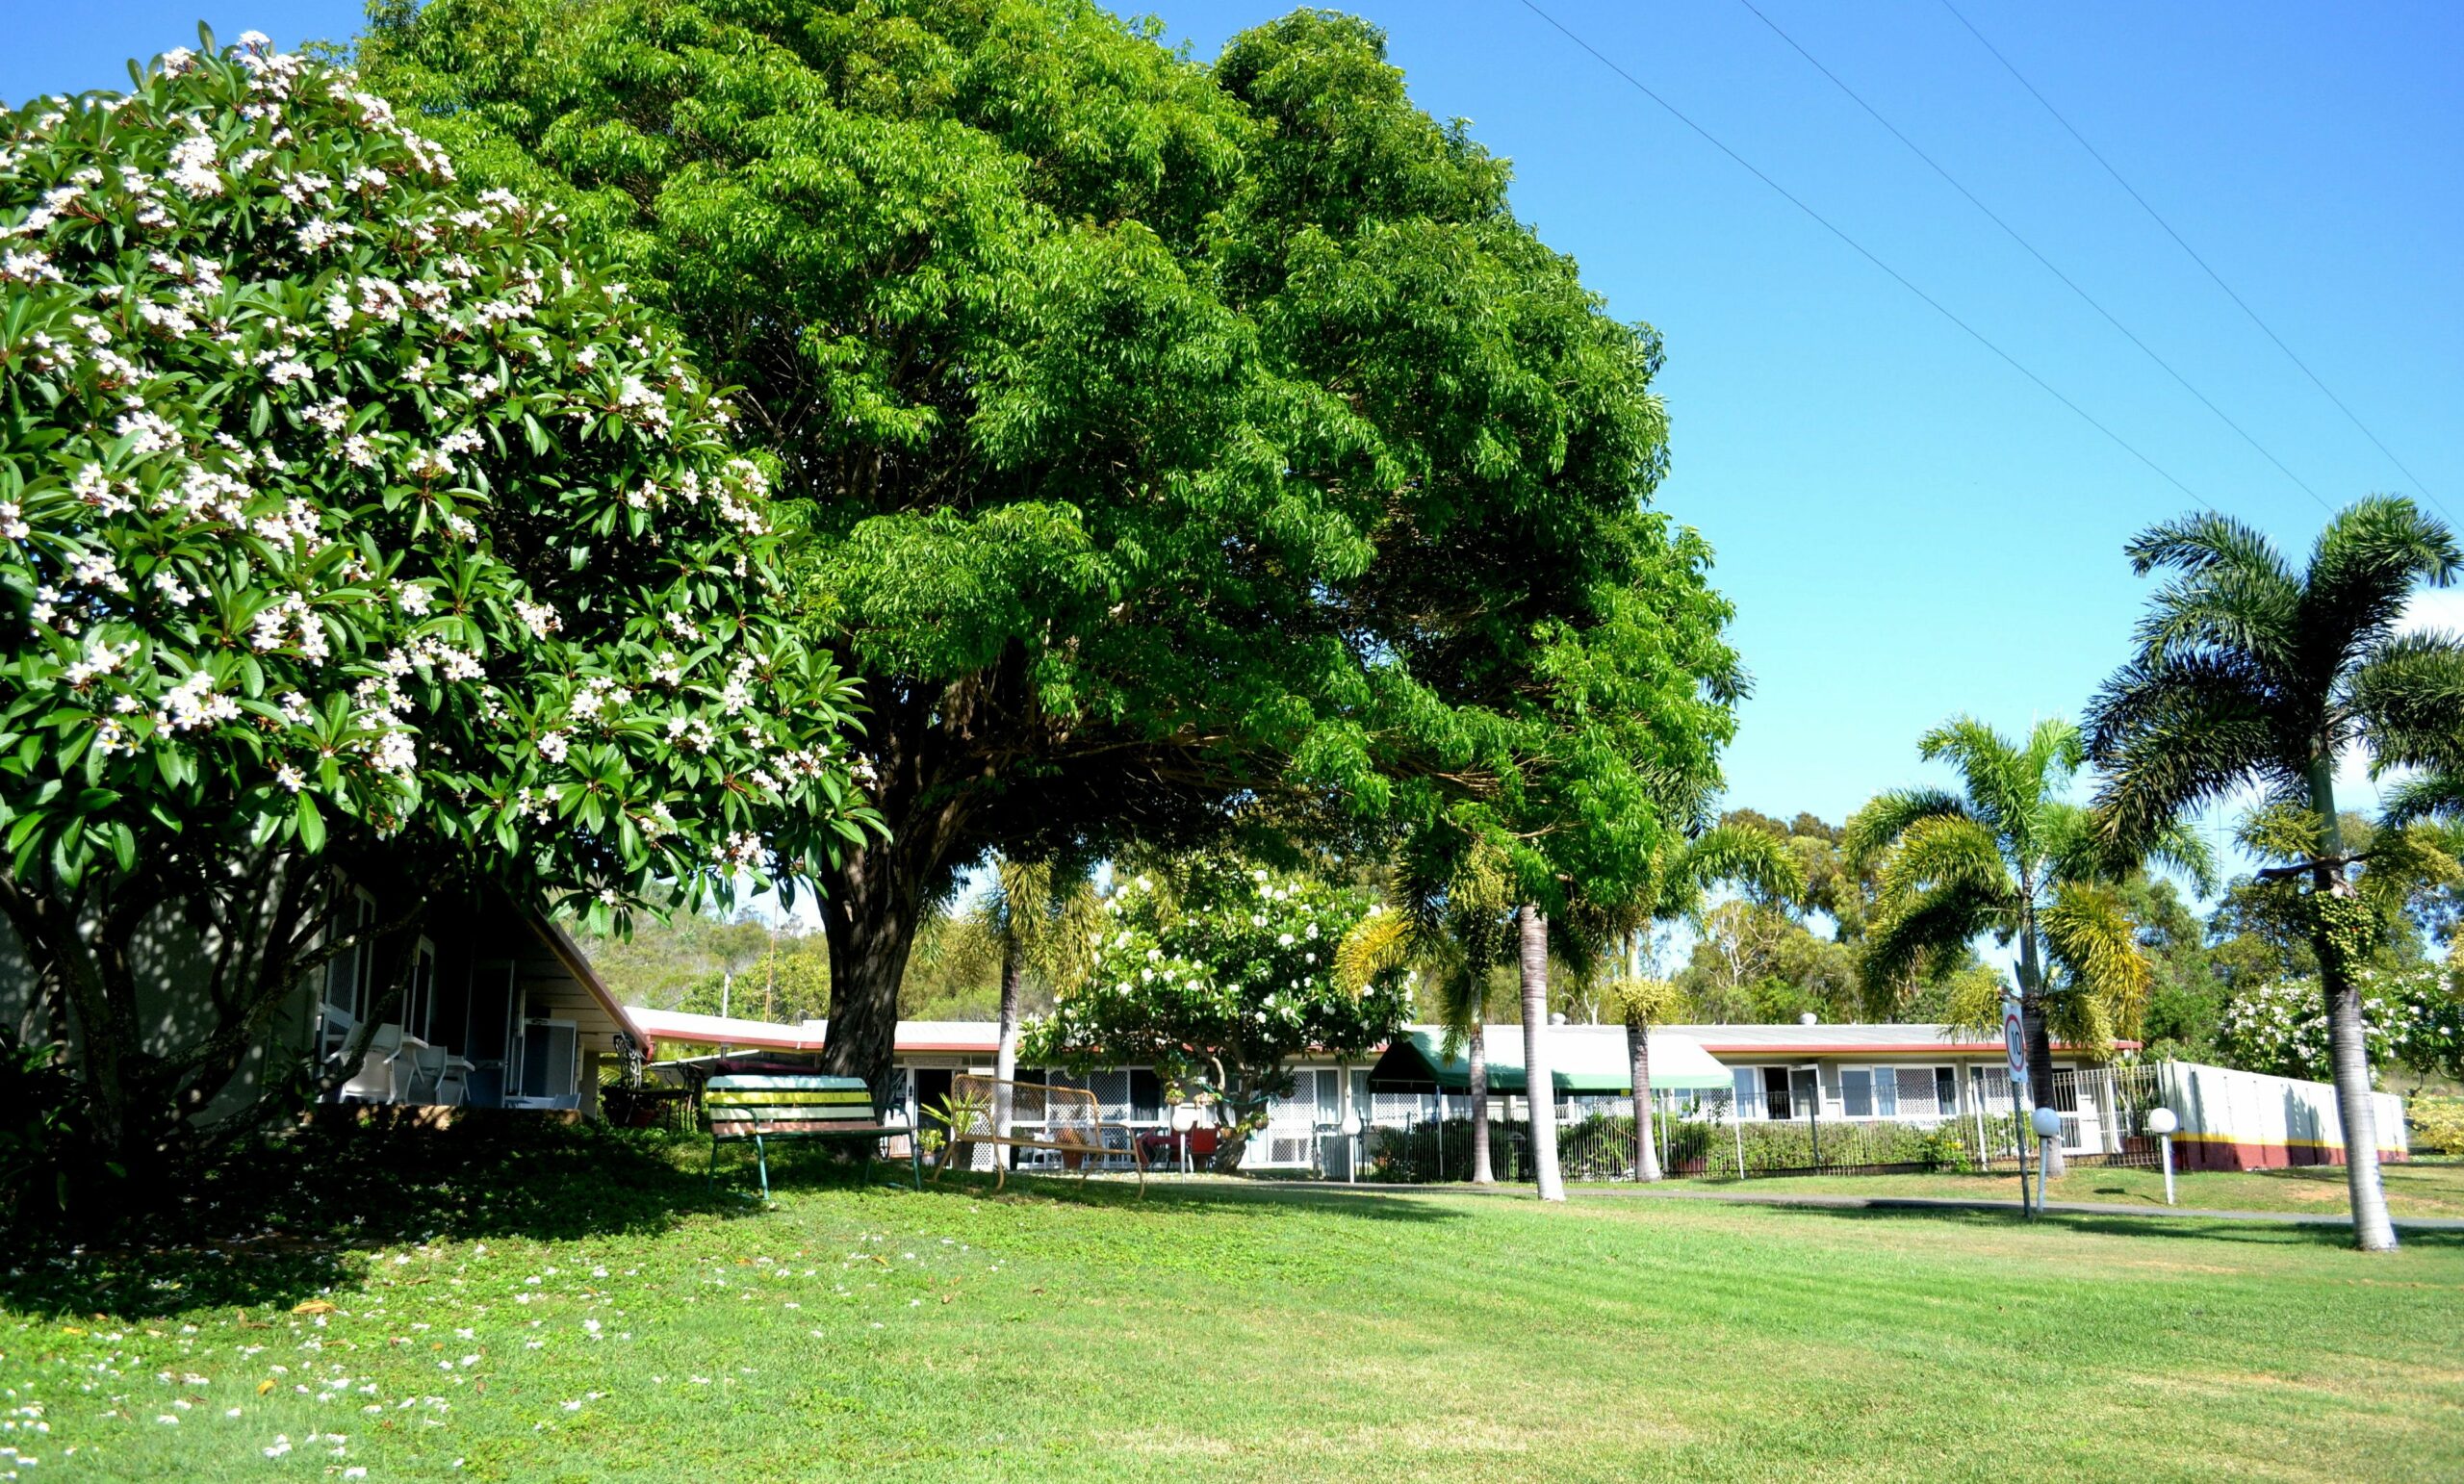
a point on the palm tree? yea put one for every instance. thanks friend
(1039, 918)
(1539, 1080)
(1683, 874)
(2010, 857)
(1449, 919)
(2249, 672)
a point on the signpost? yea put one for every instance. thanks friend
(2015, 1049)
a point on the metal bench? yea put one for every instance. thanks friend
(765, 1106)
(1068, 1121)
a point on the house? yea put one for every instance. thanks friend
(503, 1010)
(1843, 1079)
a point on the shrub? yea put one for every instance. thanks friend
(2437, 1124)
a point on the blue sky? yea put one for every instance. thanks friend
(1910, 528)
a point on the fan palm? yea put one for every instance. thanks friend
(2009, 855)
(2250, 672)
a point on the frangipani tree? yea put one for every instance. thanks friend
(1218, 979)
(2250, 672)
(351, 535)
(2010, 856)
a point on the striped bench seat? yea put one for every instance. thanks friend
(762, 1107)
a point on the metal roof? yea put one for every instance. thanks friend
(1581, 1058)
(1604, 1060)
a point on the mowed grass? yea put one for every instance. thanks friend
(2418, 1189)
(1215, 1332)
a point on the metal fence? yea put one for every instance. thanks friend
(2103, 1122)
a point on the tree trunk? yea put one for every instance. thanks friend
(1481, 1171)
(1540, 1088)
(2039, 1035)
(870, 907)
(1639, 1052)
(2348, 1050)
(1005, 1059)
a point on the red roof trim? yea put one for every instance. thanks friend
(1889, 1048)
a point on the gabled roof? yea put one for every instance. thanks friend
(578, 963)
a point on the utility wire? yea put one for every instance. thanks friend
(2013, 232)
(1863, 252)
(2219, 279)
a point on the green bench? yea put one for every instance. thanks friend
(765, 1106)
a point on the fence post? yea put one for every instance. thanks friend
(1976, 1105)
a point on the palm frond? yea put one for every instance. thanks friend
(2202, 542)
(2095, 945)
(2408, 695)
(2432, 796)
(1923, 933)
(1379, 944)
(1753, 859)
(2175, 734)
(2363, 570)
(1888, 815)
(1990, 769)
(1950, 853)
(1643, 1002)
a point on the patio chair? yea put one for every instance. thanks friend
(437, 1075)
(384, 1077)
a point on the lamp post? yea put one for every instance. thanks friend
(1351, 1132)
(2047, 1123)
(2162, 1123)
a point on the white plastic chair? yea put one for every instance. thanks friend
(384, 1077)
(437, 1075)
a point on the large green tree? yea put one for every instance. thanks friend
(2250, 672)
(1172, 440)
(2010, 856)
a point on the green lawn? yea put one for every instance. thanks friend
(584, 1313)
(2413, 1190)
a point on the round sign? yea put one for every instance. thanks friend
(2015, 1044)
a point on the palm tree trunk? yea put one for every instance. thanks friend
(1005, 1059)
(2040, 1037)
(1540, 1088)
(1481, 1172)
(2348, 1052)
(1639, 1052)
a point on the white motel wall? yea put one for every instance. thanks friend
(1839, 1078)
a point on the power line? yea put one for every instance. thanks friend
(2219, 279)
(1867, 254)
(2011, 232)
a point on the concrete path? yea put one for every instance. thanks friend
(1911, 1203)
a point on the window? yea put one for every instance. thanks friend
(1776, 1104)
(1886, 1092)
(1748, 1080)
(1946, 1090)
(1857, 1091)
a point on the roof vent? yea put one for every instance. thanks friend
(1809, 1018)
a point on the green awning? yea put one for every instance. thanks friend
(1587, 1060)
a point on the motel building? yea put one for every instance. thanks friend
(1762, 1097)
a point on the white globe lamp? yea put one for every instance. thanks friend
(2162, 1123)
